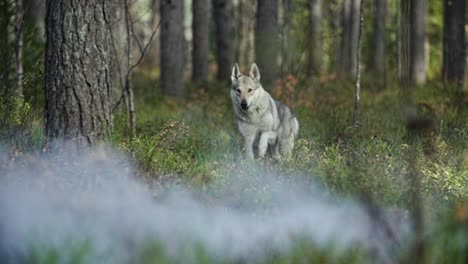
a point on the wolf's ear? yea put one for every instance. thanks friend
(254, 72)
(235, 73)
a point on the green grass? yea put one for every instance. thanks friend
(195, 141)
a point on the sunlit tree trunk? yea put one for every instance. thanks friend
(77, 71)
(172, 47)
(201, 39)
(266, 39)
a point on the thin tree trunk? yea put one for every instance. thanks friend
(130, 102)
(266, 39)
(378, 41)
(223, 30)
(417, 43)
(354, 34)
(357, 95)
(454, 50)
(201, 39)
(404, 50)
(172, 47)
(315, 65)
(19, 16)
(77, 71)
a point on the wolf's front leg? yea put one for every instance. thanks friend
(248, 145)
(267, 138)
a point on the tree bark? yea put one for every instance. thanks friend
(19, 16)
(266, 39)
(454, 50)
(201, 39)
(223, 30)
(417, 43)
(378, 64)
(77, 71)
(172, 47)
(315, 65)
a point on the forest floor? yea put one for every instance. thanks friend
(194, 142)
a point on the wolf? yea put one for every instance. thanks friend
(260, 118)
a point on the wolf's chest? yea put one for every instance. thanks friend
(260, 121)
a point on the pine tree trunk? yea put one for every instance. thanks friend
(417, 43)
(316, 50)
(378, 41)
(172, 47)
(77, 71)
(201, 39)
(454, 50)
(266, 39)
(223, 30)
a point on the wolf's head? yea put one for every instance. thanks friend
(244, 88)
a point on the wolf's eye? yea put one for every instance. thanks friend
(250, 90)
(238, 90)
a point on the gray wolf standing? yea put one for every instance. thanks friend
(260, 117)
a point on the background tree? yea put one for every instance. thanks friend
(201, 39)
(349, 36)
(266, 39)
(378, 41)
(77, 71)
(417, 41)
(223, 31)
(454, 41)
(172, 47)
(315, 63)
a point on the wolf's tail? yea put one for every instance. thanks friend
(295, 127)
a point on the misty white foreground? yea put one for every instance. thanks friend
(56, 201)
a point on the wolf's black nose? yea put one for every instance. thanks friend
(244, 105)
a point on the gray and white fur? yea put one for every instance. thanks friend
(260, 117)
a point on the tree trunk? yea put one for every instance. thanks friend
(404, 40)
(172, 47)
(77, 71)
(454, 50)
(154, 50)
(345, 38)
(315, 65)
(357, 95)
(378, 41)
(266, 39)
(5, 61)
(223, 30)
(354, 35)
(201, 39)
(18, 91)
(417, 43)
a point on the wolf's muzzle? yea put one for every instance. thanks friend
(244, 105)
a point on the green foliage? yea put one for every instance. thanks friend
(20, 129)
